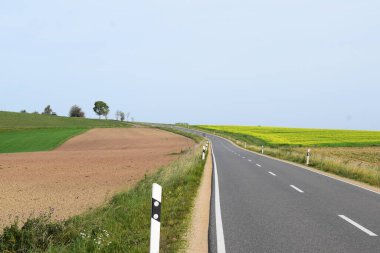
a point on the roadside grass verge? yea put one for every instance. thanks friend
(123, 224)
(365, 174)
(362, 172)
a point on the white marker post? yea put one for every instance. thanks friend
(155, 219)
(308, 157)
(262, 149)
(204, 153)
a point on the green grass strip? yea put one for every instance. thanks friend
(24, 132)
(14, 120)
(28, 140)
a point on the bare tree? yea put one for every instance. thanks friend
(128, 114)
(118, 115)
(122, 116)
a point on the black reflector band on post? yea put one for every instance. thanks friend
(156, 210)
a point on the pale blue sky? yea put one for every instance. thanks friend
(297, 63)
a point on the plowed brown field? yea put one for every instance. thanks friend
(82, 173)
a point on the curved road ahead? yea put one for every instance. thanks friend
(265, 205)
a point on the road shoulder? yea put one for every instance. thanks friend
(198, 234)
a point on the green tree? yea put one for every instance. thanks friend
(47, 110)
(101, 109)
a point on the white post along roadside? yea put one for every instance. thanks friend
(155, 219)
(204, 153)
(262, 149)
(308, 157)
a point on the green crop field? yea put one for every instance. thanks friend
(278, 136)
(23, 132)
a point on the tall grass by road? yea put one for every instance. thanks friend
(23, 132)
(123, 224)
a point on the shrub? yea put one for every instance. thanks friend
(37, 233)
(76, 111)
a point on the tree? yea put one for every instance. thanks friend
(23, 111)
(117, 114)
(122, 116)
(128, 114)
(76, 111)
(101, 109)
(105, 114)
(47, 110)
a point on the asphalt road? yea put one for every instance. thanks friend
(264, 205)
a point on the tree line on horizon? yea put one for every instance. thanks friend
(100, 108)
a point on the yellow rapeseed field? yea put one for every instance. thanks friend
(279, 136)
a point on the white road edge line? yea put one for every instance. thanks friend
(370, 233)
(297, 189)
(258, 164)
(221, 248)
(272, 173)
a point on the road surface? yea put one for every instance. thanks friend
(265, 205)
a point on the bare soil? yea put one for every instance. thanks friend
(82, 173)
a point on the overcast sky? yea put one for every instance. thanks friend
(296, 63)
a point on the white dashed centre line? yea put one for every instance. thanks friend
(249, 160)
(272, 173)
(297, 189)
(243, 157)
(258, 164)
(370, 233)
